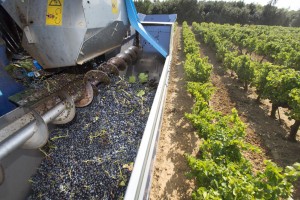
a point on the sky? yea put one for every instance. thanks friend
(288, 4)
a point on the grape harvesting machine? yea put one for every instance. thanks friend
(78, 45)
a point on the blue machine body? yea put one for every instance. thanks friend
(157, 26)
(3, 59)
(8, 86)
(136, 24)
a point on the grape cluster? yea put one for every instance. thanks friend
(92, 156)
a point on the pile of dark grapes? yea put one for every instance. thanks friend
(92, 156)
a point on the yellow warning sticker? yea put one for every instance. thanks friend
(54, 14)
(114, 4)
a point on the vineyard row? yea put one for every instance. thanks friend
(278, 83)
(220, 170)
(279, 44)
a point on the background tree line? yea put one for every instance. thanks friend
(222, 12)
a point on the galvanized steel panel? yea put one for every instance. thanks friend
(89, 28)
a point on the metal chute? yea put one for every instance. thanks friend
(135, 22)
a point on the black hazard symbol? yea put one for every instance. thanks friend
(55, 3)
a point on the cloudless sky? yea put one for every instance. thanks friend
(288, 4)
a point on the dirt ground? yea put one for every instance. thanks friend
(178, 136)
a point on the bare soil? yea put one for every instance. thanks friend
(177, 136)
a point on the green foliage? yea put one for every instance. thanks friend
(245, 69)
(222, 181)
(275, 182)
(229, 60)
(221, 12)
(272, 81)
(198, 90)
(145, 6)
(21, 64)
(196, 68)
(236, 180)
(191, 45)
(279, 85)
(132, 79)
(294, 102)
(220, 170)
(277, 44)
(141, 93)
(143, 78)
(261, 76)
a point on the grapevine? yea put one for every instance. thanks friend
(273, 82)
(220, 170)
